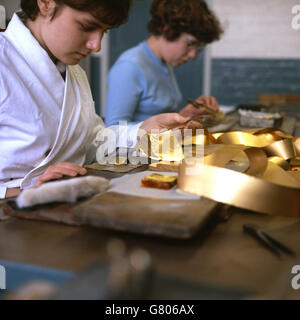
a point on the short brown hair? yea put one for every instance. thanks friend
(110, 12)
(171, 18)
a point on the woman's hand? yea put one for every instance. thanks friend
(166, 121)
(191, 111)
(60, 170)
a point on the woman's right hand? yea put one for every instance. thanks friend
(167, 121)
(191, 111)
(59, 171)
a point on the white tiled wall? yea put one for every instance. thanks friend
(257, 29)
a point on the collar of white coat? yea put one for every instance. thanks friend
(36, 56)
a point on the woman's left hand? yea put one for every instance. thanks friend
(59, 171)
(191, 111)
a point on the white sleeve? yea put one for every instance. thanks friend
(2, 192)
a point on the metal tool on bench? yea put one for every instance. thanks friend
(266, 240)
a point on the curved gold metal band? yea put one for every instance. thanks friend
(239, 189)
(271, 183)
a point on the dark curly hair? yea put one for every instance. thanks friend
(171, 18)
(110, 12)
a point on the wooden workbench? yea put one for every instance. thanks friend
(221, 255)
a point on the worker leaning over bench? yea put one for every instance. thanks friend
(48, 124)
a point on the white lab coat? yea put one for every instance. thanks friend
(43, 119)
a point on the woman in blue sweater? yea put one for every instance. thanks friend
(142, 82)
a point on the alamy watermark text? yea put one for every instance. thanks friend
(2, 278)
(296, 17)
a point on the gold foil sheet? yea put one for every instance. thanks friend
(161, 178)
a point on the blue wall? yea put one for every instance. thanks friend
(131, 33)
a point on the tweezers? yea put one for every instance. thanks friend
(266, 240)
(198, 105)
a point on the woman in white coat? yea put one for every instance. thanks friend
(48, 124)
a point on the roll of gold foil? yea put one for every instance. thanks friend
(270, 185)
(258, 161)
(239, 189)
(297, 146)
(280, 162)
(277, 175)
(284, 149)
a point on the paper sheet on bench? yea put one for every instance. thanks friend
(130, 184)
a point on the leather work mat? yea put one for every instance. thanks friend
(180, 219)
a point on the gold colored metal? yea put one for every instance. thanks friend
(277, 175)
(280, 162)
(284, 148)
(297, 146)
(239, 189)
(161, 178)
(270, 184)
